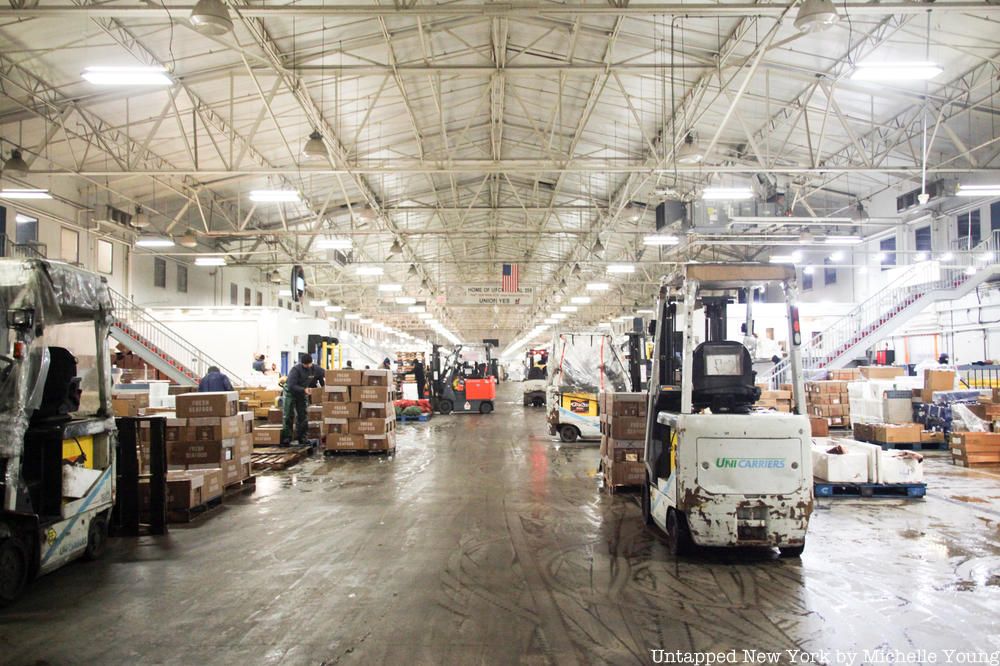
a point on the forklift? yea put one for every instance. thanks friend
(535, 375)
(717, 473)
(57, 455)
(461, 387)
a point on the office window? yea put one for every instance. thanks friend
(968, 229)
(995, 216)
(922, 239)
(27, 229)
(807, 281)
(260, 299)
(887, 246)
(246, 297)
(829, 272)
(69, 246)
(105, 256)
(160, 273)
(182, 279)
(234, 294)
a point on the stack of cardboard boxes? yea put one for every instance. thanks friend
(974, 449)
(260, 401)
(780, 400)
(623, 438)
(827, 400)
(129, 403)
(358, 412)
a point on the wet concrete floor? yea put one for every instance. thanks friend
(485, 541)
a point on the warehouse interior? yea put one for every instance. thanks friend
(500, 332)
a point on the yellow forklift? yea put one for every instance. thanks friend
(57, 452)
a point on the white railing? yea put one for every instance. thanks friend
(138, 324)
(873, 314)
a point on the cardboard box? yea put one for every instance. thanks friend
(846, 374)
(315, 412)
(341, 410)
(880, 372)
(386, 442)
(775, 395)
(213, 428)
(381, 412)
(850, 467)
(316, 430)
(370, 394)
(344, 377)
(247, 418)
(870, 451)
(864, 432)
(337, 426)
(345, 442)
(274, 416)
(610, 444)
(335, 393)
(931, 437)
(126, 407)
(377, 378)
(937, 380)
(819, 426)
(829, 386)
(235, 471)
(371, 426)
(186, 489)
(266, 435)
(896, 466)
(626, 427)
(615, 403)
(194, 405)
(908, 433)
(623, 473)
(315, 396)
(267, 397)
(201, 453)
(829, 410)
(262, 412)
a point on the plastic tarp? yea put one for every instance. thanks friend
(55, 293)
(586, 363)
(867, 396)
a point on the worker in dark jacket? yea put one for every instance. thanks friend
(421, 377)
(301, 377)
(214, 380)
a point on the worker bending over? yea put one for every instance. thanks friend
(294, 401)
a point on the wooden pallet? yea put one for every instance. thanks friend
(914, 446)
(871, 490)
(195, 512)
(278, 458)
(247, 485)
(329, 453)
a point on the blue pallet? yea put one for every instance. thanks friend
(919, 446)
(870, 490)
(404, 418)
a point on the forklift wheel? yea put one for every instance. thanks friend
(792, 551)
(13, 569)
(568, 433)
(485, 407)
(97, 539)
(678, 535)
(445, 407)
(647, 509)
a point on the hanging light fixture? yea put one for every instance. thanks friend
(395, 248)
(598, 246)
(15, 164)
(412, 271)
(188, 240)
(576, 269)
(690, 152)
(275, 276)
(140, 220)
(315, 149)
(816, 15)
(211, 17)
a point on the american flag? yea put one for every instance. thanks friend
(509, 281)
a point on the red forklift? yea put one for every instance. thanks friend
(465, 382)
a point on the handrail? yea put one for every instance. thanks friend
(157, 336)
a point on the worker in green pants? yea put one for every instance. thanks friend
(294, 399)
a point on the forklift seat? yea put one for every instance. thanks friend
(723, 378)
(61, 394)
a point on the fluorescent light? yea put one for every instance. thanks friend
(415, 309)
(23, 219)
(210, 261)
(842, 240)
(127, 76)
(604, 324)
(985, 256)
(153, 241)
(425, 315)
(837, 256)
(621, 268)
(369, 270)
(569, 308)
(580, 300)
(978, 191)
(406, 300)
(390, 287)
(660, 239)
(24, 194)
(644, 312)
(334, 244)
(726, 193)
(368, 321)
(558, 315)
(781, 219)
(793, 258)
(947, 256)
(920, 256)
(273, 196)
(550, 320)
(971, 270)
(598, 286)
(881, 256)
(808, 270)
(285, 292)
(318, 303)
(895, 71)
(333, 308)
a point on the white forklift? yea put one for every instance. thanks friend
(718, 472)
(57, 451)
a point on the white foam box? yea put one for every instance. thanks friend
(895, 466)
(850, 467)
(871, 452)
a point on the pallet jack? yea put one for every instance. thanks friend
(462, 388)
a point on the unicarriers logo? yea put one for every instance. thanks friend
(750, 463)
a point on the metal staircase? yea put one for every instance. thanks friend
(157, 345)
(878, 317)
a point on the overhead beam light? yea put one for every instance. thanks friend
(621, 268)
(895, 71)
(690, 152)
(726, 193)
(352, 315)
(550, 320)
(660, 239)
(15, 164)
(406, 300)
(318, 303)
(425, 315)
(978, 191)
(314, 148)
(816, 15)
(210, 17)
(153, 241)
(334, 244)
(598, 286)
(210, 261)
(127, 76)
(274, 196)
(369, 270)
(842, 240)
(644, 312)
(569, 308)
(558, 316)
(791, 219)
(24, 194)
(333, 308)
(580, 300)
(390, 287)
(413, 309)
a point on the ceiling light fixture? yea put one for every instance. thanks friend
(127, 76)
(978, 191)
(781, 219)
(189, 240)
(558, 316)
(598, 286)
(333, 308)
(211, 17)
(837, 256)
(406, 300)
(808, 270)
(690, 152)
(352, 315)
(275, 278)
(660, 240)
(413, 309)
(24, 194)
(411, 271)
(390, 287)
(425, 315)
(334, 243)
(153, 241)
(580, 300)
(895, 71)
(550, 320)
(15, 164)
(816, 15)
(314, 148)
(140, 220)
(210, 261)
(395, 248)
(369, 270)
(598, 246)
(920, 256)
(947, 256)
(274, 196)
(569, 308)
(621, 268)
(284, 292)
(726, 193)
(644, 312)
(319, 303)
(842, 240)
